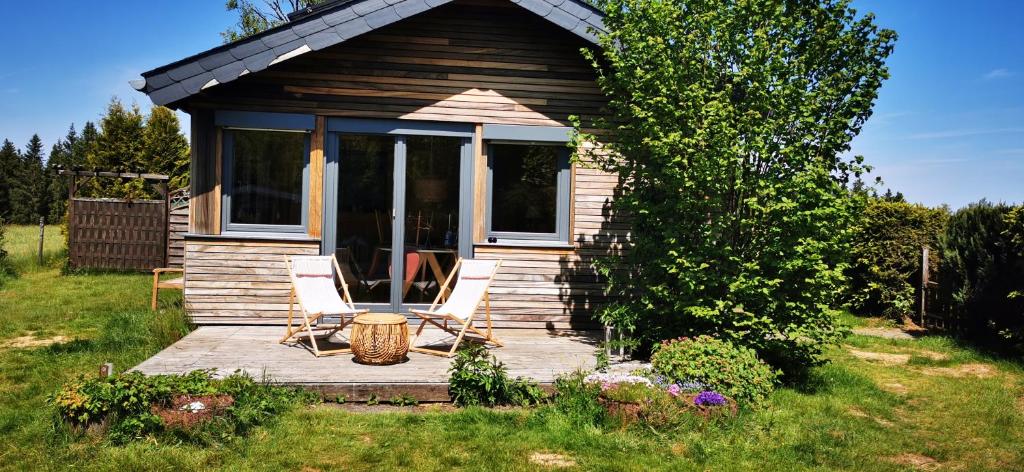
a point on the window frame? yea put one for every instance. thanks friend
(563, 198)
(227, 166)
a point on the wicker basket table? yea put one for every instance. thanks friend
(380, 338)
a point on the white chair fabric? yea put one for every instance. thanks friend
(473, 281)
(314, 286)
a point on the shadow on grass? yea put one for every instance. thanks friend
(75, 346)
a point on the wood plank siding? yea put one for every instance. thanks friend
(459, 62)
(476, 62)
(177, 226)
(239, 281)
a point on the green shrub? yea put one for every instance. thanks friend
(477, 378)
(731, 370)
(886, 255)
(981, 272)
(125, 403)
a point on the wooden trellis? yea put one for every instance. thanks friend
(117, 233)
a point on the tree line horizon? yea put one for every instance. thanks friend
(125, 140)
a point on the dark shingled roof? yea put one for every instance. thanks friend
(320, 27)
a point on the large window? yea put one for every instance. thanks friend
(265, 180)
(528, 192)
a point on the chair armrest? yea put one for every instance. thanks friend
(161, 270)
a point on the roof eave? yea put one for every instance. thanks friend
(332, 25)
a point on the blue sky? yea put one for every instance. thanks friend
(948, 127)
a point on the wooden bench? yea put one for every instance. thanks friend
(175, 283)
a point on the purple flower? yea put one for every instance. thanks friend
(674, 390)
(709, 398)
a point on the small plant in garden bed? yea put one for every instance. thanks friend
(716, 365)
(477, 378)
(577, 398)
(657, 406)
(404, 400)
(193, 406)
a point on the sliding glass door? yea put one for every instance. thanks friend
(396, 212)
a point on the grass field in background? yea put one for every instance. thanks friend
(881, 404)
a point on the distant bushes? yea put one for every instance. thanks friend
(886, 255)
(976, 257)
(982, 273)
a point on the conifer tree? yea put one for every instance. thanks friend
(9, 170)
(166, 150)
(28, 195)
(118, 147)
(61, 156)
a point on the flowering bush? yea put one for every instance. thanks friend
(707, 363)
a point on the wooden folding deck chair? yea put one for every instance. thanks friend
(475, 277)
(313, 289)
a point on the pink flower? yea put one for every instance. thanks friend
(674, 390)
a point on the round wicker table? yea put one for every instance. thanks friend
(380, 338)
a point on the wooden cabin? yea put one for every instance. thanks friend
(435, 126)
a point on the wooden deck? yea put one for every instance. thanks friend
(536, 354)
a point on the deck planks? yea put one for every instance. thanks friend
(534, 354)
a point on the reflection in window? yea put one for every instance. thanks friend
(524, 192)
(266, 177)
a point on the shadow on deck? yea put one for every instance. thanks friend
(535, 354)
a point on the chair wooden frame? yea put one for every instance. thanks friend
(174, 284)
(431, 316)
(306, 327)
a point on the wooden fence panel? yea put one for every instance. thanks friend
(117, 234)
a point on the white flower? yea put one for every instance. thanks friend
(606, 378)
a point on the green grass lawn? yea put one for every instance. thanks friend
(881, 404)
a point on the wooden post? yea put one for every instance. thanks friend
(608, 341)
(107, 370)
(72, 188)
(42, 233)
(165, 190)
(924, 284)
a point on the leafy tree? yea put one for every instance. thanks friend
(253, 19)
(728, 121)
(118, 147)
(165, 149)
(886, 254)
(28, 192)
(1015, 229)
(10, 164)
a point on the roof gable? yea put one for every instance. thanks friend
(329, 25)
